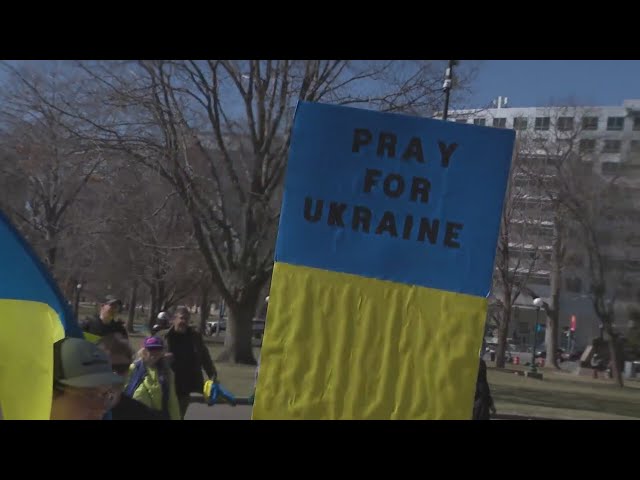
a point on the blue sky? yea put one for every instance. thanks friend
(530, 83)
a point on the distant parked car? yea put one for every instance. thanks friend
(258, 327)
(508, 353)
(216, 327)
(576, 356)
(560, 354)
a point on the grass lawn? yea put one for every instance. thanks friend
(238, 379)
(560, 395)
(563, 395)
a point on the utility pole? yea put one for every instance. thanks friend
(448, 78)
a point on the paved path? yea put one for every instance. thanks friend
(200, 411)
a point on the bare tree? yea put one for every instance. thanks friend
(551, 150)
(151, 239)
(607, 222)
(46, 166)
(587, 208)
(218, 133)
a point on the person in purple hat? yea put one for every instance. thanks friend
(151, 381)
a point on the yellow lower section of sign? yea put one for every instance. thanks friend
(341, 346)
(28, 331)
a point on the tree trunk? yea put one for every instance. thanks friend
(238, 346)
(153, 307)
(205, 307)
(51, 258)
(613, 355)
(132, 306)
(503, 331)
(70, 287)
(553, 313)
(161, 300)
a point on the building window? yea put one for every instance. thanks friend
(575, 260)
(605, 237)
(520, 182)
(615, 123)
(461, 120)
(523, 328)
(480, 121)
(574, 285)
(547, 231)
(565, 144)
(635, 146)
(625, 294)
(587, 145)
(565, 124)
(636, 122)
(590, 123)
(520, 123)
(611, 146)
(610, 168)
(542, 123)
(500, 122)
(539, 280)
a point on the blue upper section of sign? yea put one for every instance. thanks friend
(23, 277)
(368, 193)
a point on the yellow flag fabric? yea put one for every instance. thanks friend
(373, 350)
(28, 331)
(33, 316)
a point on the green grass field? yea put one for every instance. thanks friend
(560, 395)
(564, 395)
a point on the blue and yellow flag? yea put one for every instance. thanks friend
(383, 263)
(33, 316)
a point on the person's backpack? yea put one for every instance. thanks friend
(137, 377)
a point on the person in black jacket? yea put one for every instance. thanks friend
(189, 357)
(483, 405)
(125, 408)
(104, 323)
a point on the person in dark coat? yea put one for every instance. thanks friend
(483, 405)
(189, 356)
(105, 323)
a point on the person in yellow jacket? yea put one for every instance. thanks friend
(151, 380)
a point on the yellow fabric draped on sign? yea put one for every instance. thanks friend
(342, 346)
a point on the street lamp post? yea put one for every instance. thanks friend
(78, 290)
(538, 303)
(448, 79)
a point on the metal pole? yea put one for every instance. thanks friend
(448, 76)
(535, 341)
(77, 303)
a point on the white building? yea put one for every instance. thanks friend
(608, 138)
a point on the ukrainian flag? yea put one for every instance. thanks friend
(378, 296)
(33, 316)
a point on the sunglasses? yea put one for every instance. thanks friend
(120, 368)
